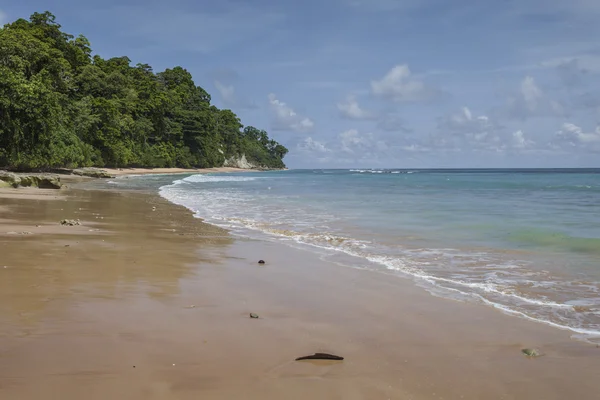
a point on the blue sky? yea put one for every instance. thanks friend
(376, 83)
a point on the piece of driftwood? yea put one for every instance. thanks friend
(321, 356)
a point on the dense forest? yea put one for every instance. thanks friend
(61, 106)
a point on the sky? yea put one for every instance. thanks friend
(375, 83)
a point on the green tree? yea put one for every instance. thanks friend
(61, 106)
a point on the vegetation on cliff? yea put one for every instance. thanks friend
(61, 106)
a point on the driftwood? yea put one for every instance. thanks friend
(320, 356)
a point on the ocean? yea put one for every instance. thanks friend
(526, 242)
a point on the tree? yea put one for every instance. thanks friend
(61, 106)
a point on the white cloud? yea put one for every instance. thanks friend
(286, 119)
(583, 63)
(399, 85)
(227, 93)
(520, 141)
(415, 148)
(3, 18)
(464, 123)
(531, 93)
(575, 136)
(348, 148)
(531, 101)
(362, 145)
(351, 140)
(312, 146)
(351, 109)
(463, 131)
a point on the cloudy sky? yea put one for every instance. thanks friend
(376, 83)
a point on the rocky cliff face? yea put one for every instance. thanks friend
(240, 162)
(43, 181)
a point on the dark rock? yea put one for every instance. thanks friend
(321, 356)
(70, 222)
(261, 261)
(252, 315)
(50, 182)
(92, 173)
(27, 181)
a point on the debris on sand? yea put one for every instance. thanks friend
(321, 356)
(70, 222)
(531, 352)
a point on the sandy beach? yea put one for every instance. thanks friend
(148, 171)
(143, 301)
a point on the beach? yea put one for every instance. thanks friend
(144, 301)
(149, 171)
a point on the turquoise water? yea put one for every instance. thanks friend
(524, 241)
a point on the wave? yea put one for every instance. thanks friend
(506, 284)
(202, 178)
(381, 171)
(501, 294)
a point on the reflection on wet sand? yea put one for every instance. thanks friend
(122, 249)
(143, 302)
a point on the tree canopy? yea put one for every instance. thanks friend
(61, 106)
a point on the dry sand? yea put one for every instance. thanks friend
(141, 304)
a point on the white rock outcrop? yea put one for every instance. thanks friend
(239, 162)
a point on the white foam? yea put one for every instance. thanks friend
(488, 287)
(218, 178)
(380, 171)
(477, 275)
(409, 268)
(588, 333)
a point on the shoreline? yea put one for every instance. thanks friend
(170, 294)
(169, 171)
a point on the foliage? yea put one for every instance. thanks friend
(61, 106)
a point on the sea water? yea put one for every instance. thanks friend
(524, 241)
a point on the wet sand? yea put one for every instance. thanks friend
(143, 304)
